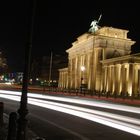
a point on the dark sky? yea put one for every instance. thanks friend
(58, 23)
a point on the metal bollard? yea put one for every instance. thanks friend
(12, 126)
(1, 113)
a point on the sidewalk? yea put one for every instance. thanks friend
(4, 130)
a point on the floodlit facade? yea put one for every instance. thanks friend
(108, 65)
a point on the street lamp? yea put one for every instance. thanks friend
(82, 71)
(23, 110)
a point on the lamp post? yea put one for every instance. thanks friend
(50, 72)
(82, 74)
(23, 111)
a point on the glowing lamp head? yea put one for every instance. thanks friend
(82, 68)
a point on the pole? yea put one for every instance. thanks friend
(23, 111)
(1, 113)
(81, 83)
(50, 72)
(12, 126)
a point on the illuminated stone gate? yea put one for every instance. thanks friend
(108, 65)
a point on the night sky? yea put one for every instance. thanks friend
(58, 23)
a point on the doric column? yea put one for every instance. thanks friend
(60, 79)
(131, 79)
(135, 79)
(117, 76)
(63, 80)
(95, 60)
(75, 73)
(64, 76)
(78, 71)
(84, 72)
(70, 73)
(81, 64)
(66, 79)
(112, 79)
(109, 78)
(127, 78)
(123, 73)
(91, 71)
(116, 90)
(88, 72)
(105, 79)
(102, 79)
(103, 53)
(138, 80)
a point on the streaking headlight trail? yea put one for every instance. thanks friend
(79, 101)
(121, 122)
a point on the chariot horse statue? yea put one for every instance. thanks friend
(94, 25)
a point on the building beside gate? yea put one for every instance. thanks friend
(101, 61)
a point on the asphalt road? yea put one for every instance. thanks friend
(56, 125)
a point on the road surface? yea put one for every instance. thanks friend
(72, 118)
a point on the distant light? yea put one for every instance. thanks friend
(5, 79)
(8, 83)
(1, 77)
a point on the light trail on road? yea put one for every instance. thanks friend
(121, 122)
(79, 101)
